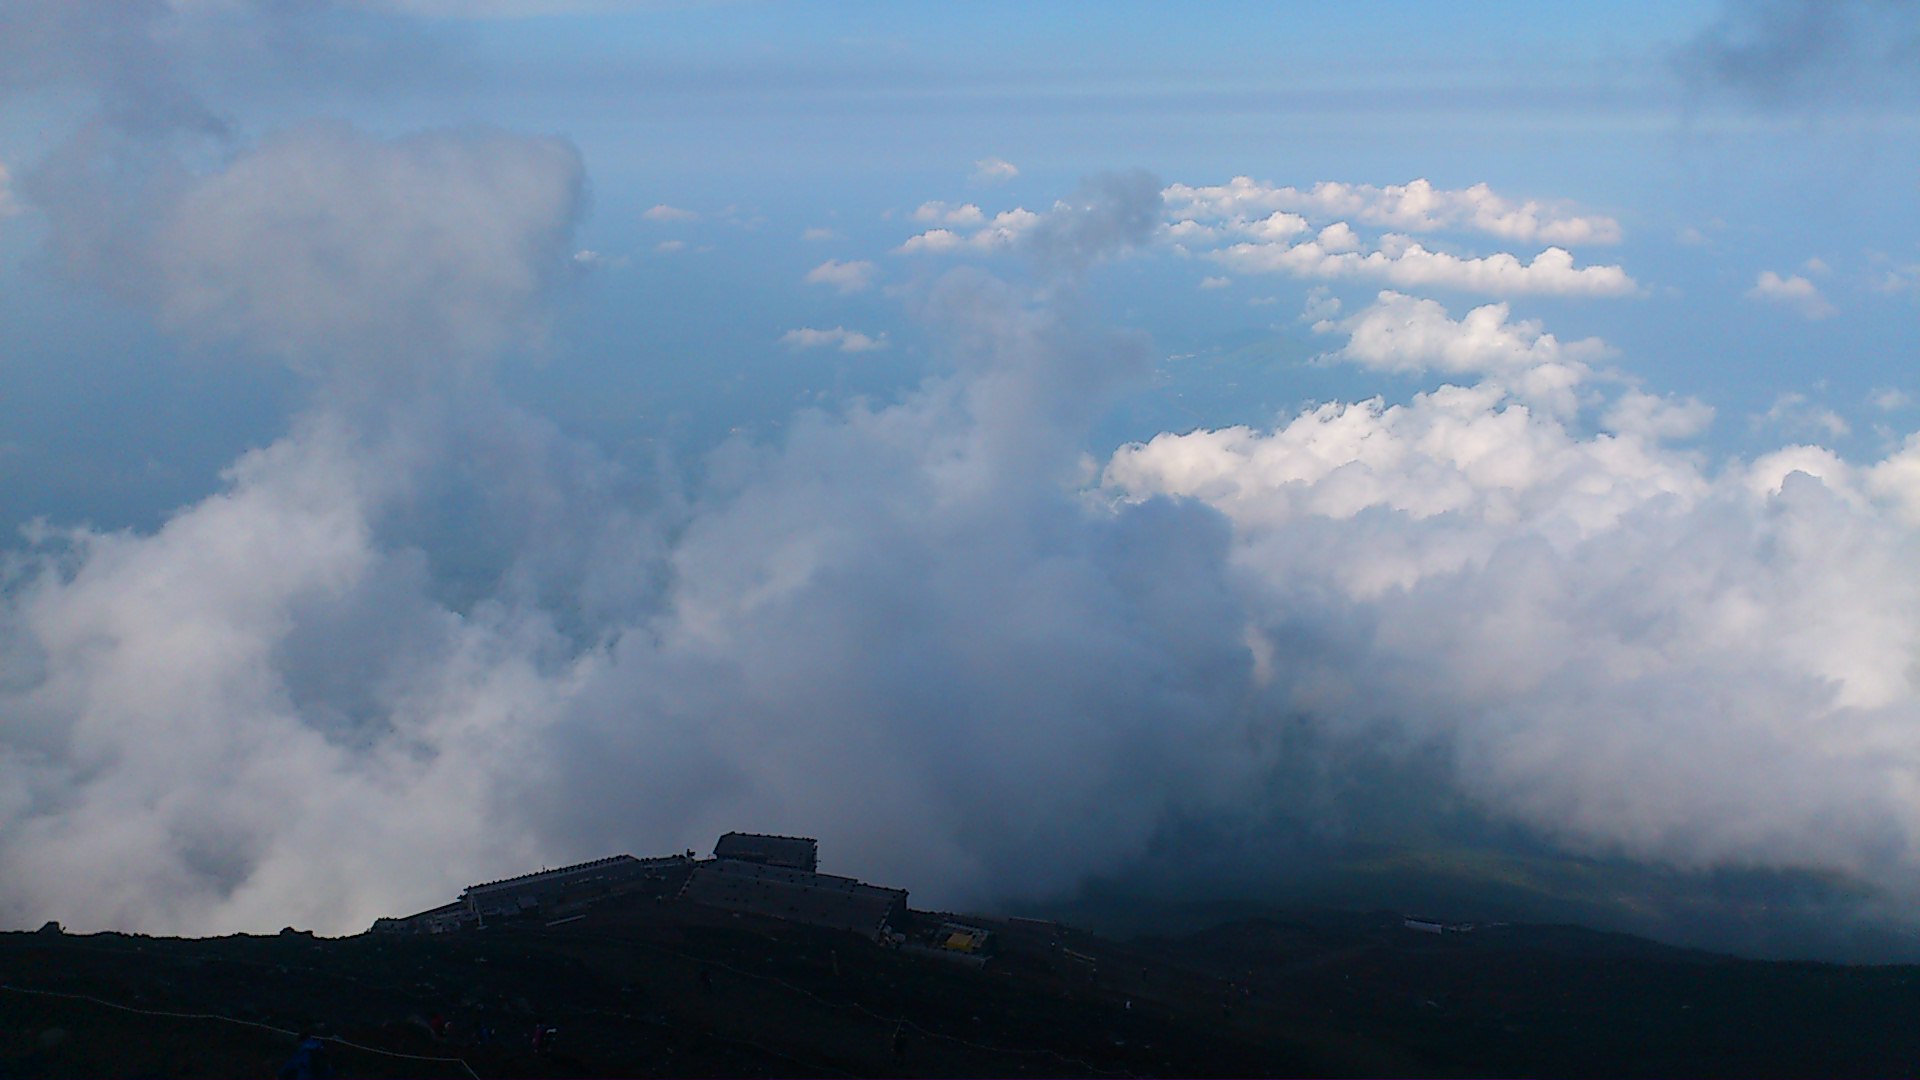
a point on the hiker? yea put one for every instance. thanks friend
(309, 1062)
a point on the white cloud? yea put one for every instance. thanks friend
(1108, 212)
(1455, 450)
(946, 214)
(1215, 282)
(425, 639)
(200, 675)
(1899, 279)
(1591, 631)
(1654, 418)
(589, 259)
(1321, 306)
(1413, 207)
(1897, 480)
(817, 234)
(668, 247)
(663, 212)
(932, 242)
(1403, 262)
(838, 338)
(998, 234)
(1407, 334)
(846, 277)
(1793, 292)
(1275, 227)
(1183, 233)
(993, 170)
(1795, 413)
(1889, 399)
(283, 707)
(1338, 238)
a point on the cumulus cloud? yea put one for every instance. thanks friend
(1795, 413)
(838, 338)
(1215, 282)
(663, 212)
(999, 234)
(1794, 292)
(1107, 213)
(1417, 206)
(1896, 480)
(424, 639)
(845, 277)
(945, 214)
(1899, 280)
(1403, 333)
(1404, 262)
(266, 711)
(1889, 399)
(1655, 418)
(280, 706)
(994, 170)
(1605, 642)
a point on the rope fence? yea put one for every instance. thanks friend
(334, 1039)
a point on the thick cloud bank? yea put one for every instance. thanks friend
(418, 644)
(424, 639)
(1605, 641)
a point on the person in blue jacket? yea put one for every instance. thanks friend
(309, 1061)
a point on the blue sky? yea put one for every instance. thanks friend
(1231, 421)
(807, 116)
(801, 117)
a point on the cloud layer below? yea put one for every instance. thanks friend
(1253, 227)
(424, 639)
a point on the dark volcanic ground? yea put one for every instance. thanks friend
(649, 987)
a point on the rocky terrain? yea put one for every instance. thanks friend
(648, 986)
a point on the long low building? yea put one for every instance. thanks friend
(545, 892)
(581, 882)
(752, 873)
(778, 892)
(794, 852)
